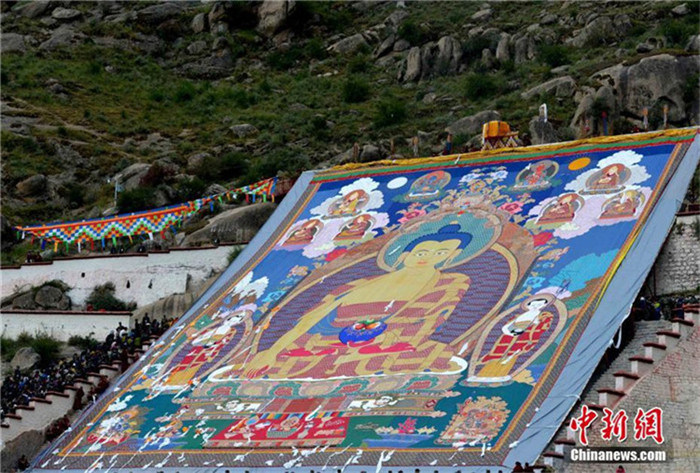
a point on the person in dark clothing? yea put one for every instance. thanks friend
(22, 463)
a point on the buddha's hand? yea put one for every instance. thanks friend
(260, 364)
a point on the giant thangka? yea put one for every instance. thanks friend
(424, 313)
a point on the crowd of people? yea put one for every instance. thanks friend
(662, 308)
(19, 388)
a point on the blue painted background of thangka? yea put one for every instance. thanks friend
(418, 310)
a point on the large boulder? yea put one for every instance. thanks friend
(412, 66)
(273, 15)
(370, 153)
(13, 42)
(159, 12)
(349, 44)
(65, 14)
(33, 186)
(25, 358)
(216, 66)
(244, 130)
(652, 82)
(239, 224)
(449, 55)
(62, 36)
(50, 297)
(542, 132)
(467, 126)
(559, 86)
(24, 301)
(33, 9)
(599, 30)
(199, 23)
(130, 178)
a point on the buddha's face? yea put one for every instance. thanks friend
(430, 253)
(537, 304)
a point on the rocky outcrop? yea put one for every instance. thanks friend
(273, 15)
(216, 66)
(25, 358)
(431, 60)
(13, 43)
(542, 132)
(561, 87)
(33, 186)
(244, 130)
(239, 224)
(130, 178)
(467, 126)
(159, 12)
(349, 44)
(50, 297)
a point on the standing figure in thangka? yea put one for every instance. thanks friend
(517, 338)
(209, 342)
(203, 346)
(397, 316)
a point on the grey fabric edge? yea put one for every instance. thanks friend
(614, 308)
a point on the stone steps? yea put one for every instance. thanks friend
(625, 372)
(41, 412)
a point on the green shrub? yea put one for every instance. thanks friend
(74, 193)
(355, 90)
(156, 95)
(8, 348)
(315, 49)
(102, 298)
(185, 92)
(84, 343)
(134, 200)
(411, 32)
(676, 32)
(480, 86)
(473, 47)
(282, 60)
(190, 188)
(389, 111)
(229, 166)
(554, 55)
(233, 254)
(358, 64)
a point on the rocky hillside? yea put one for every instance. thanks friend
(177, 98)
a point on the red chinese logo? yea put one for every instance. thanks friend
(614, 425)
(580, 424)
(648, 424)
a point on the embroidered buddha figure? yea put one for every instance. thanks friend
(622, 205)
(429, 185)
(609, 179)
(304, 234)
(562, 210)
(380, 324)
(356, 229)
(349, 204)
